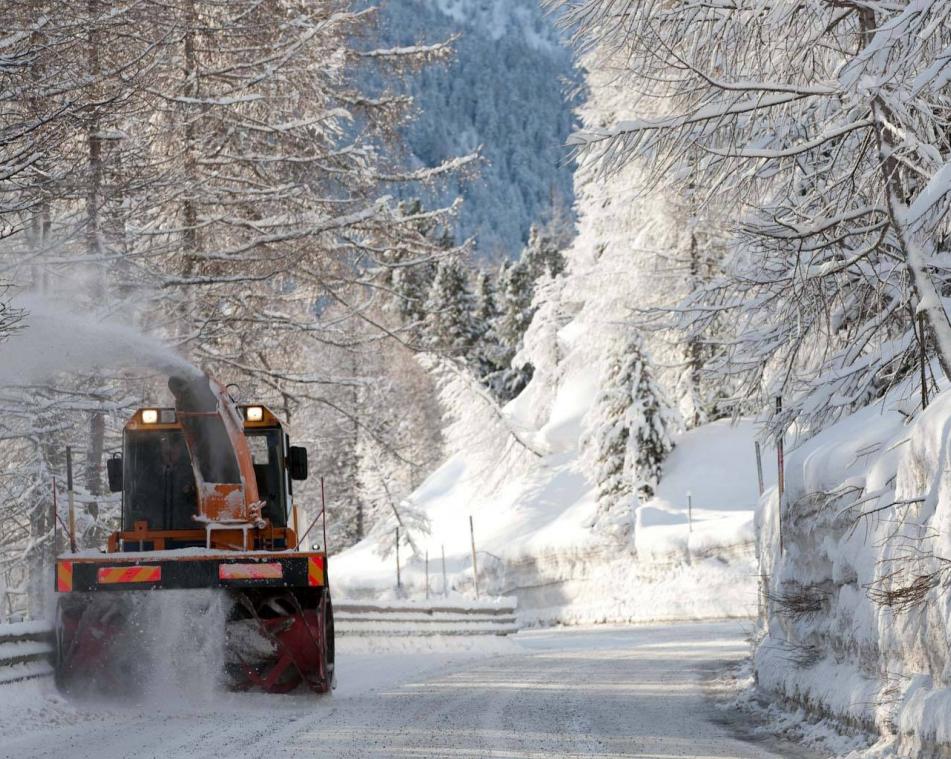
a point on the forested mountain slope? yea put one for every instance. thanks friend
(508, 93)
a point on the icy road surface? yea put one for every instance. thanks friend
(601, 692)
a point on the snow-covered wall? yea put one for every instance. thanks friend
(858, 600)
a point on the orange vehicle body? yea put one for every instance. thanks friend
(202, 511)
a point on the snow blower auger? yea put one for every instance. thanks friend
(206, 500)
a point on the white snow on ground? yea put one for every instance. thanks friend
(532, 532)
(365, 666)
(607, 691)
(526, 480)
(868, 514)
(766, 718)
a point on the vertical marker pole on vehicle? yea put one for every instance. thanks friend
(323, 514)
(55, 536)
(71, 497)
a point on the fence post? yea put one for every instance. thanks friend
(780, 473)
(475, 565)
(445, 585)
(689, 512)
(399, 582)
(427, 574)
(759, 468)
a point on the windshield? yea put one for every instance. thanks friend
(267, 452)
(159, 484)
(159, 481)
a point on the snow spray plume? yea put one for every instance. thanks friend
(55, 339)
(185, 634)
(165, 647)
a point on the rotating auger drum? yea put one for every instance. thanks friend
(278, 641)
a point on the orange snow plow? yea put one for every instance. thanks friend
(207, 497)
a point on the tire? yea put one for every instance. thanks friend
(329, 646)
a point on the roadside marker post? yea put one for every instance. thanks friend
(475, 565)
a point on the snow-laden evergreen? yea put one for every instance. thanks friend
(450, 326)
(629, 432)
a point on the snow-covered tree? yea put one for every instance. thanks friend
(542, 260)
(488, 350)
(450, 327)
(409, 271)
(629, 433)
(818, 128)
(544, 253)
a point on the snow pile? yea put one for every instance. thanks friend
(859, 600)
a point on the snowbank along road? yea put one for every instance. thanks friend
(602, 692)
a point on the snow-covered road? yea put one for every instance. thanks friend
(604, 692)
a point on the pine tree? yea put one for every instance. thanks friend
(543, 253)
(450, 326)
(516, 290)
(629, 433)
(411, 279)
(488, 350)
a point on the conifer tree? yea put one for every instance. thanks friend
(450, 326)
(488, 350)
(411, 279)
(515, 305)
(543, 253)
(515, 311)
(629, 432)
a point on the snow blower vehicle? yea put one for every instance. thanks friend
(207, 494)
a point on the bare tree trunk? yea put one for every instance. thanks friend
(97, 423)
(191, 89)
(97, 437)
(694, 347)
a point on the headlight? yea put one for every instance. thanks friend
(149, 416)
(255, 413)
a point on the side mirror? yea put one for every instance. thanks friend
(297, 462)
(114, 472)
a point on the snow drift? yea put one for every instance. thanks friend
(857, 619)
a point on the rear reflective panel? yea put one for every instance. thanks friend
(64, 576)
(273, 571)
(112, 575)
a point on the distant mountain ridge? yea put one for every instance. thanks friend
(506, 92)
